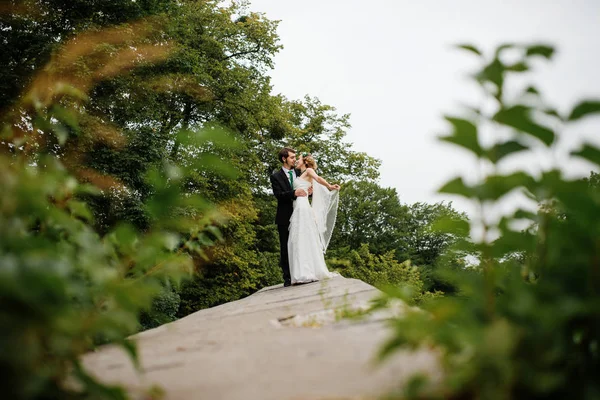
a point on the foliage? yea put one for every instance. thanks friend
(31, 30)
(66, 285)
(525, 327)
(431, 235)
(381, 271)
(163, 309)
(372, 215)
(426, 239)
(594, 180)
(369, 214)
(233, 269)
(316, 128)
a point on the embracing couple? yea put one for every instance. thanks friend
(304, 227)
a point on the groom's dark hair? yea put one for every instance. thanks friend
(284, 153)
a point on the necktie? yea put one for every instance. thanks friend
(291, 178)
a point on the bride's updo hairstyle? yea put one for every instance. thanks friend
(309, 161)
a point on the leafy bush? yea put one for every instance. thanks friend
(525, 323)
(64, 287)
(380, 271)
(164, 309)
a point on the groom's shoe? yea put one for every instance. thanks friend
(286, 284)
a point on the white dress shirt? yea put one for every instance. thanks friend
(287, 172)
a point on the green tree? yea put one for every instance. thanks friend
(429, 243)
(369, 214)
(316, 128)
(31, 30)
(423, 240)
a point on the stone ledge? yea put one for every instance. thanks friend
(245, 350)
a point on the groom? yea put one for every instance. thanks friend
(282, 182)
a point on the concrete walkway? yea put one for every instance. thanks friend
(279, 343)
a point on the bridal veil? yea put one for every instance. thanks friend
(325, 205)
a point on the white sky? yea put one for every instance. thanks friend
(391, 65)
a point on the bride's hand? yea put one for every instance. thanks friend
(335, 187)
(300, 193)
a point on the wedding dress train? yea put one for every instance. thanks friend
(311, 227)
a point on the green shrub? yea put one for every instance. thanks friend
(381, 271)
(64, 287)
(525, 323)
(163, 310)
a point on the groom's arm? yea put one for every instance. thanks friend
(280, 192)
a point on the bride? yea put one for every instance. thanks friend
(311, 226)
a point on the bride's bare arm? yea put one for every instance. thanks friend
(311, 172)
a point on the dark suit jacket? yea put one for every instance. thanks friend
(284, 193)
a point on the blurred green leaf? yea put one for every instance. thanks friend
(464, 135)
(501, 150)
(198, 203)
(585, 108)
(216, 232)
(62, 88)
(511, 241)
(496, 186)
(470, 48)
(392, 345)
(519, 118)
(532, 90)
(500, 338)
(42, 123)
(416, 385)
(87, 189)
(502, 47)
(583, 208)
(524, 214)
(544, 188)
(215, 164)
(589, 152)
(494, 73)
(457, 186)
(80, 209)
(542, 50)
(449, 224)
(66, 117)
(518, 67)
(61, 133)
(131, 349)
(552, 112)
(6, 132)
(125, 237)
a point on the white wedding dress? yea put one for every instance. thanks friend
(311, 227)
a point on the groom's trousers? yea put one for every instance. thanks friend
(284, 262)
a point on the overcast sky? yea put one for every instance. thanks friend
(391, 65)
